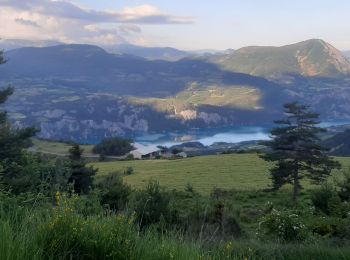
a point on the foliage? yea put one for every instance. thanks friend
(115, 193)
(34, 173)
(152, 204)
(113, 147)
(12, 142)
(81, 176)
(329, 227)
(321, 197)
(284, 225)
(344, 187)
(296, 149)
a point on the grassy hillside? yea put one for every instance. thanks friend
(308, 58)
(195, 95)
(237, 171)
(57, 148)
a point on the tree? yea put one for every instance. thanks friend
(296, 150)
(12, 143)
(113, 146)
(81, 176)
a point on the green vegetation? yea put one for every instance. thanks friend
(308, 58)
(113, 146)
(56, 148)
(229, 171)
(296, 151)
(243, 97)
(237, 171)
(55, 208)
(81, 177)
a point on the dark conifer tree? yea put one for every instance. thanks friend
(296, 151)
(12, 142)
(81, 176)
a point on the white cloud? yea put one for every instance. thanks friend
(67, 22)
(145, 14)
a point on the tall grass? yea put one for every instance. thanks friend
(63, 233)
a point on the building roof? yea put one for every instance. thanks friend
(144, 150)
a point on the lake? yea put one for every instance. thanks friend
(206, 137)
(210, 136)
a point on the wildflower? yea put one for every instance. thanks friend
(229, 246)
(58, 197)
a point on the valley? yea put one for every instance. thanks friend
(83, 93)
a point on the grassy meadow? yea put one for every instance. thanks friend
(57, 148)
(232, 171)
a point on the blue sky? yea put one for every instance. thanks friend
(185, 24)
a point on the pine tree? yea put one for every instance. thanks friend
(81, 176)
(12, 143)
(295, 148)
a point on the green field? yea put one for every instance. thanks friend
(57, 148)
(233, 171)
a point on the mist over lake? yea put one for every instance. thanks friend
(210, 136)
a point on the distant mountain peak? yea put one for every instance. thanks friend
(312, 58)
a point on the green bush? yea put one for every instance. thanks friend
(114, 192)
(344, 186)
(326, 200)
(320, 197)
(152, 204)
(70, 236)
(113, 147)
(284, 225)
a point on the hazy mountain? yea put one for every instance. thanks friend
(79, 91)
(10, 44)
(309, 58)
(150, 53)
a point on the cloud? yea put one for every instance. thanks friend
(64, 21)
(26, 22)
(129, 29)
(144, 14)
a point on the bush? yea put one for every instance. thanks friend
(284, 225)
(70, 236)
(326, 200)
(321, 197)
(330, 227)
(152, 204)
(113, 147)
(344, 186)
(115, 193)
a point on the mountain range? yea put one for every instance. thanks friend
(84, 92)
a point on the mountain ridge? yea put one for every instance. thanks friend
(82, 90)
(309, 58)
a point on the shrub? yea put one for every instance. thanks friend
(70, 236)
(115, 193)
(328, 227)
(152, 204)
(321, 197)
(284, 225)
(326, 200)
(113, 147)
(344, 186)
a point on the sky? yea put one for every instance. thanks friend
(183, 24)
